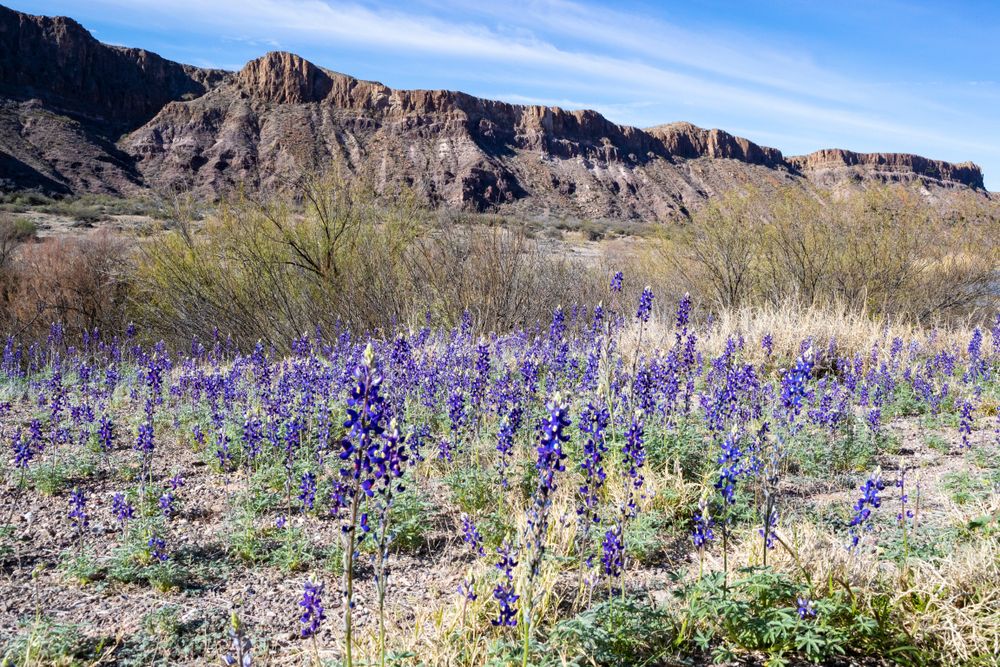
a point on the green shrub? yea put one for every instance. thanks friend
(757, 612)
(616, 632)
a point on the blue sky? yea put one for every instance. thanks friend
(799, 75)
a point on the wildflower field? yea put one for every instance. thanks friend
(632, 483)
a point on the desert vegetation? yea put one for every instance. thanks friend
(327, 252)
(330, 430)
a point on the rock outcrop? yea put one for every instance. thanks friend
(58, 62)
(80, 116)
(689, 141)
(833, 166)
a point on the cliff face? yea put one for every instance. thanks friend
(80, 116)
(57, 61)
(689, 141)
(834, 166)
(65, 98)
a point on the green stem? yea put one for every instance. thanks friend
(526, 619)
(349, 581)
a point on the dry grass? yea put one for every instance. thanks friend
(791, 322)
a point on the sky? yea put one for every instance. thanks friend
(798, 75)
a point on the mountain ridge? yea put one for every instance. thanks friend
(80, 116)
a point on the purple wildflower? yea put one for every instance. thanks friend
(167, 505)
(307, 490)
(613, 553)
(313, 614)
(78, 509)
(157, 548)
(122, 510)
(965, 423)
(504, 591)
(645, 304)
(869, 500)
(702, 533)
(471, 536)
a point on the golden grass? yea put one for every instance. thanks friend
(792, 322)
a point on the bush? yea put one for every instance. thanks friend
(617, 632)
(886, 249)
(758, 612)
(334, 255)
(81, 282)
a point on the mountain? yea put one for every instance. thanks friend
(79, 116)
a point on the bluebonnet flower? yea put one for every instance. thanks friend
(793, 385)
(198, 435)
(157, 548)
(598, 318)
(481, 377)
(505, 442)
(340, 497)
(456, 412)
(616, 281)
(22, 451)
(805, 608)
(167, 504)
(683, 317)
(78, 509)
(503, 593)
(241, 654)
(645, 304)
(550, 453)
(176, 482)
(549, 462)
(904, 499)
(529, 375)
(978, 367)
(613, 553)
(145, 439)
(253, 435)
(445, 450)
(874, 420)
(730, 467)
(222, 450)
(869, 500)
(467, 589)
(767, 344)
(965, 423)
(122, 510)
(702, 533)
(769, 535)
(307, 490)
(471, 536)
(313, 614)
(106, 433)
(373, 459)
(635, 455)
(415, 440)
(593, 421)
(36, 441)
(364, 424)
(557, 328)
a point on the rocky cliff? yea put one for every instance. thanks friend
(80, 116)
(832, 167)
